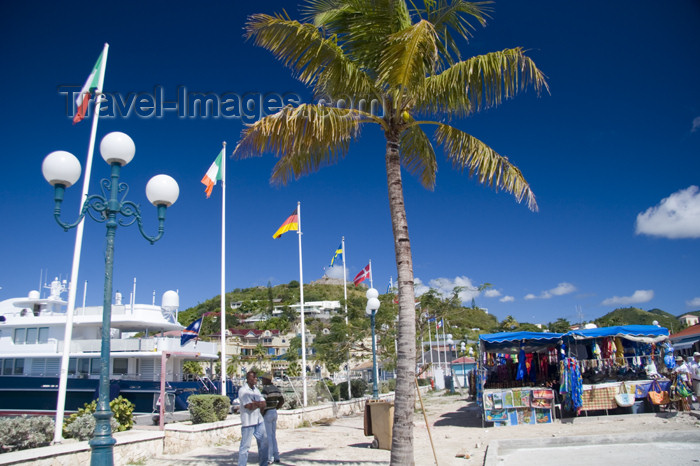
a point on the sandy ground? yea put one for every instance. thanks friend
(456, 429)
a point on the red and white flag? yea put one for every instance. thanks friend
(91, 85)
(362, 275)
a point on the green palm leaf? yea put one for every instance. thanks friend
(305, 138)
(408, 58)
(468, 153)
(313, 58)
(418, 155)
(480, 82)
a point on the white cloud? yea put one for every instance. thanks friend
(335, 272)
(446, 286)
(696, 124)
(639, 296)
(507, 299)
(418, 287)
(677, 216)
(695, 302)
(559, 290)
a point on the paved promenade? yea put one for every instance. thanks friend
(459, 439)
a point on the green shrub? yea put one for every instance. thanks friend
(332, 389)
(83, 427)
(358, 387)
(423, 382)
(208, 408)
(20, 433)
(122, 415)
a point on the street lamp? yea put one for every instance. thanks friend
(372, 306)
(61, 169)
(450, 342)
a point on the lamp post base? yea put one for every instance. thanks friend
(102, 443)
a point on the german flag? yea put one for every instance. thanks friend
(291, 224)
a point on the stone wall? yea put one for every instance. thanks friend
(137, 445)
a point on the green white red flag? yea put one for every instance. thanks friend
(91, 85)
(213, 174)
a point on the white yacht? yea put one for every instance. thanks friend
(32, 331)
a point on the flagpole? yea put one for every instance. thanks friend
(345, 295)
(437, 339)
(68, 332)
(371, 275)
(301, 298)
(223, 270)
(444, 341)
(430, 343)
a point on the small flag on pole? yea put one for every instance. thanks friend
(338, 255)
(88, 91)
(362, 275)
(192, 331)
(213, 174)
(439, 324)
(291, 224)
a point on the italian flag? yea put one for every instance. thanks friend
(88, 90)
(213, 174)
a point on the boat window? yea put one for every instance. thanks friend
(19, 366)
(83, 366)
(95, 366)
(20, 334)
(120, 366)
(7, 367)
(43, 335)
(31, 336)
(71, 366)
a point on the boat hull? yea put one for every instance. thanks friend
(39, 394)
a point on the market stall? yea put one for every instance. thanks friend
(603, 363)
(517, 377)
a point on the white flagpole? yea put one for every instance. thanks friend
(223, 271)
(345, 295)
(444, 342)
(430, 343)
(68, 332)
(371, 277)
(301, 298)
(437, 339)
(371, 285)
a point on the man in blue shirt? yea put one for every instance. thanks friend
(252, 423)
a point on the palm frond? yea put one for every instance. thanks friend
(303, 48)
(418, 155)
(450, 18)
(481, 82)
(468, 153)
(305, 138)
(361, 26)
(409, 57)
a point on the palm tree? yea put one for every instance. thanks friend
(409, 60)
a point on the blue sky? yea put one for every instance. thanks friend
(617, 136)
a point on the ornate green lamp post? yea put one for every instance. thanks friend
(61, 169)
(372, 306)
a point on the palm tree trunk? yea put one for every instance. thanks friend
(404, 401)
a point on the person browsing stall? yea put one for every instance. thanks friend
(275, 400)
(252, 422)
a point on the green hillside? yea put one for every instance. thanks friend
(636, 316)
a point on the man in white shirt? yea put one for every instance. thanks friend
(695, 373)
(252, 423)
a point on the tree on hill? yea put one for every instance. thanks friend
(561, 325)
(636, 316)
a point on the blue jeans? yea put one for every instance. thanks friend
(247, 434)
(270, 418)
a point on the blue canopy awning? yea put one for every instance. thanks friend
(646, 333)
(532, 341)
